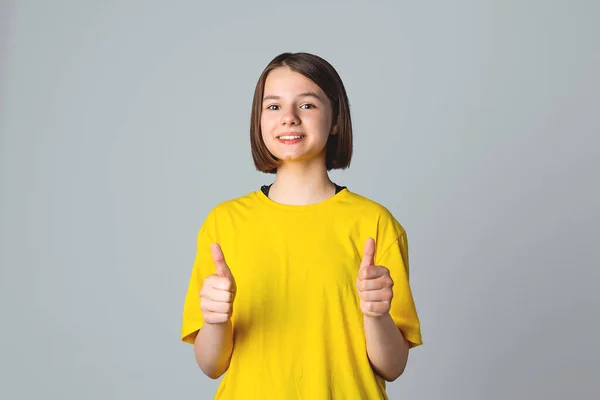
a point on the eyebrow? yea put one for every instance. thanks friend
(305, 94)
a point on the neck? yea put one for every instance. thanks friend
(301, 183)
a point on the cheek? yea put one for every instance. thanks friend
(267, 129)
(319, 121)
(319, 125)
(267, 124)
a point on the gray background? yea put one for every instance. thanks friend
(123, 123)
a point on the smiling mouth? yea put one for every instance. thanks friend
(290, 137)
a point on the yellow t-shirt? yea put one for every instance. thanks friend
(297, 325)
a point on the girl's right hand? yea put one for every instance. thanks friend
(218, 291)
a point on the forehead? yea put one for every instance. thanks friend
(284, 82)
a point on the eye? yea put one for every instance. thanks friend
(273, 107)
(307, 105)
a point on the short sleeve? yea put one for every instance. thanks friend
(403, 310)
(203, 267)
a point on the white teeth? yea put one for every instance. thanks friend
(290, 137)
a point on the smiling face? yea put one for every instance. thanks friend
(296, 117)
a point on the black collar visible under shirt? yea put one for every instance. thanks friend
(265, 189)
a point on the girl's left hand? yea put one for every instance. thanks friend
(374, 284)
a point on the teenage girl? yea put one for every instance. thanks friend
(300, 290)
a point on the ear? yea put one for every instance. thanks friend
(334, 130)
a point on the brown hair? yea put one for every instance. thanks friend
(315, 68)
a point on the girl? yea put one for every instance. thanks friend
(300, 290)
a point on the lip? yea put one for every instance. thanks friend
(290, 134)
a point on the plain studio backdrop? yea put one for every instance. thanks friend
(123, 123)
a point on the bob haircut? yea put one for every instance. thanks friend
(315, 68)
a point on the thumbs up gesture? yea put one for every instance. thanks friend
(374, 284)
(218, 290)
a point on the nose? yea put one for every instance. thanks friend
(290, 117)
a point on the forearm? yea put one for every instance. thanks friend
(386, 347)
(213, 346)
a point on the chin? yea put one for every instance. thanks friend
(289, 158)
(298, 155)
(287, 155)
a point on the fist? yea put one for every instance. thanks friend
(374, 284)
(218, 291)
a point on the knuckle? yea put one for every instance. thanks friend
(217, 319)
(204, 307)
(210, 306)
(207, 294)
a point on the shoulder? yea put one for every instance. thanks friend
(372, 211)
(245, 201)
(377, 221)
(366, 202)
(228, 208)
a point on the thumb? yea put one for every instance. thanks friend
(219, 259)
(369, 254)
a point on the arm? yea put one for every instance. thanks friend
(213, 344)
(387, 348)
(213, 347)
